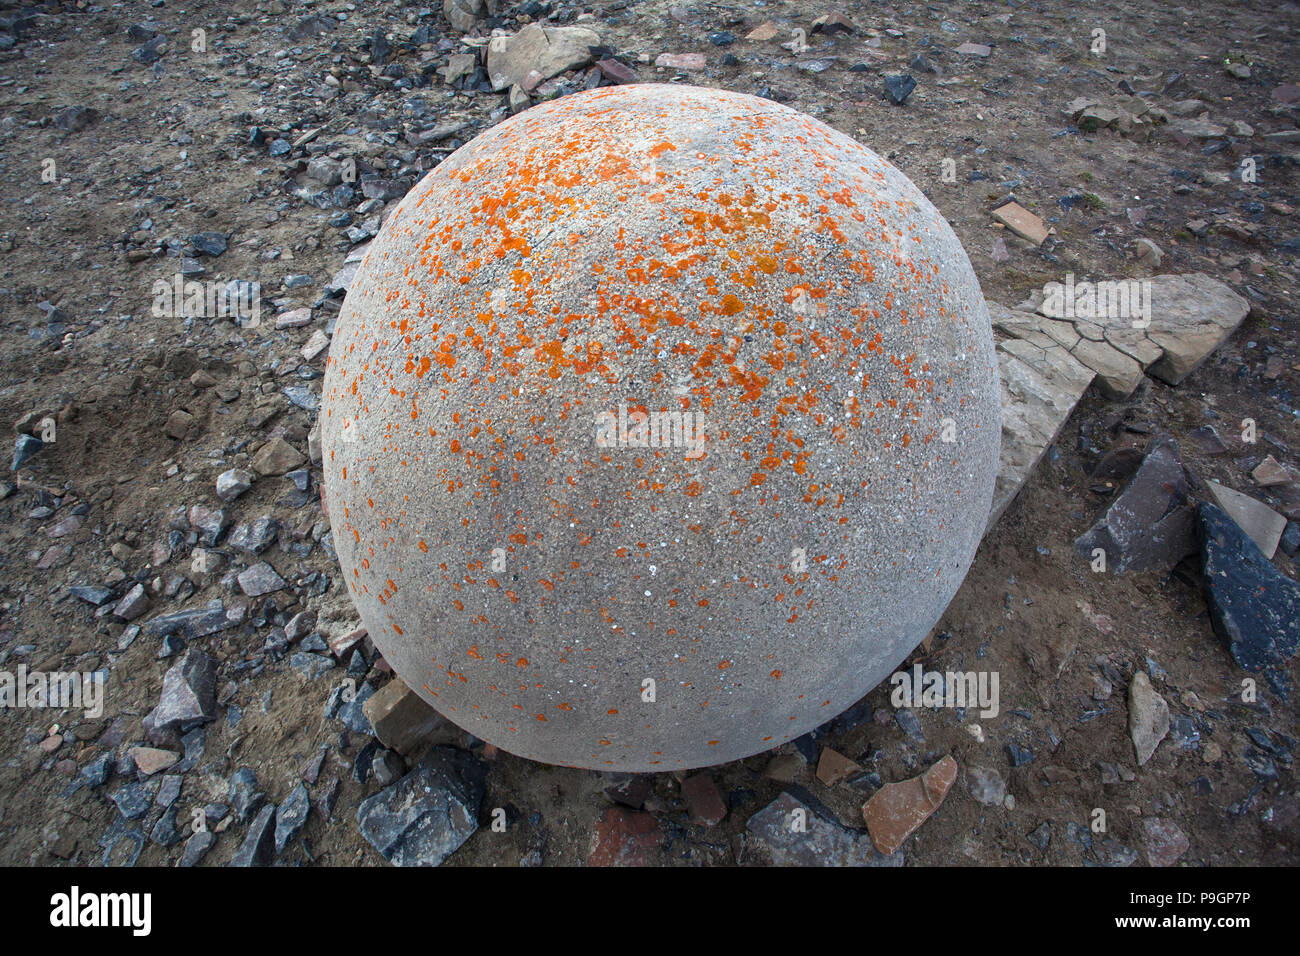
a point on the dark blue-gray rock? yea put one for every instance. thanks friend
(279, 147)
(312, 26)
(910, 724)
(193, 744)
(352, 714)
(291, 817)
(300, 477)
(302, 397)
(169, 790)
(134, 603)
(427, 815)
(254, 536)
(234, 482)
(91, 595)
(246, 798)
(326, 797)
(188, 695)
(208, 522)
(315, 643)
(310, 771)
(1254, 608)
(122, 846)
(277, 642)
(899, 87)
(76, 118)
(151, 51)
(388, 767)
(1041, 835)
(93, 774)
(194, 623)
(197, 847)
(1019, 756)
(1150, 524)
(365, 762)
(794, 832)
(259, 842)
(1290, 541)
(209, 243)
(260, 579)
(311, 666)
(134, 799)
(165, 832)
(25, 446)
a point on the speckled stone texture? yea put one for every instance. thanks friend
(528, 554)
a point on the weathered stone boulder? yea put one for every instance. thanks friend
(548, 51)
(659, 425)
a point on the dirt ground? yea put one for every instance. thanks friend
(168, 155)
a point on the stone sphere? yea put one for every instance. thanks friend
(660, 425)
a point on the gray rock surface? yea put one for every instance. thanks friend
(825, 516)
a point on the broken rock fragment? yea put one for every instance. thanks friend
(794, 832)
(1261, 523)
(1022, 222)
(548, 50)
(1148, 717)
(403, 721)
(425, 816)
(624, 838)
(188, 694)
(897, 810)
(1254, 607)
(1149, 525)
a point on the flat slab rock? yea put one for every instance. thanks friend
(1190, 316)
(428, 814)
(549, 51)
(795, 833)
(1041, 383)
(897, 810)
(1254, 607)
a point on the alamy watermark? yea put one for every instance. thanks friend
(235, 299)
(57, 689)
(1125, 299)
(951, 689)
(635, 428)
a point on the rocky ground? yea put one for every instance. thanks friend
(163, 525)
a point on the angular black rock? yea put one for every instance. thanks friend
(1255, 608)
(1149, 526)
(425, 817)
(898, 88)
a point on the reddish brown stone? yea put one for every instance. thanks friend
(703, 800)
(897, 809)
(615, 71)
(833, 767)
(624, 838)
